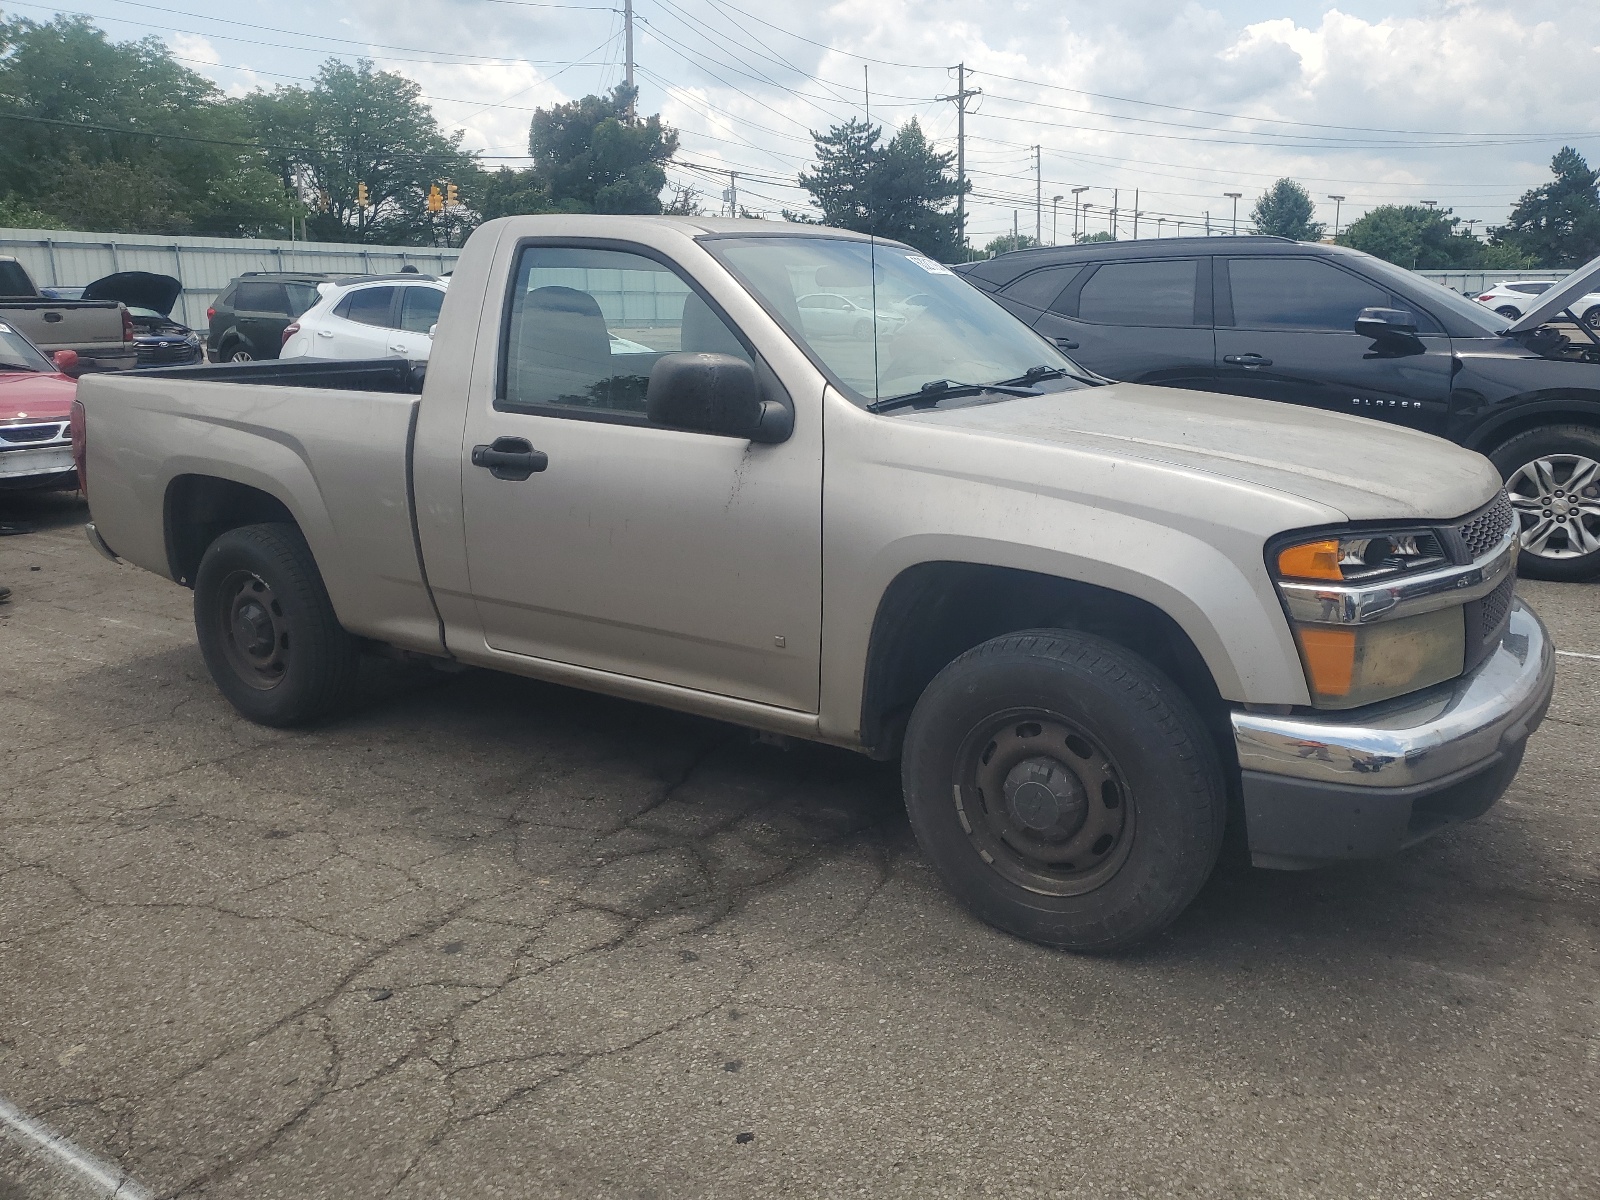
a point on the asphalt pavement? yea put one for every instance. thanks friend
(483, 937)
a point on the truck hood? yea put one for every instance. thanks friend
(137, 289)
(1363, 468)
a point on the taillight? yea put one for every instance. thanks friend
(127, 326)
(211, 313)
(80, 444)
(1485, 298)
(292, 329)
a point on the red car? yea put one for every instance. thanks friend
(35, 407)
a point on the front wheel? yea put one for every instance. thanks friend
(1552, 475)
(1064, 789)
(267, 629)
(1509, 313)
(1592, 317)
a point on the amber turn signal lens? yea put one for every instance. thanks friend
(1330, 659)
(1311, 560)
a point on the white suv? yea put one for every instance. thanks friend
(1516, 297)
(371, 317)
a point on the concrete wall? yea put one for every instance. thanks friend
(63, 258)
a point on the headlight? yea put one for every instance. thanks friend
(1362, 558)
(1346, 596)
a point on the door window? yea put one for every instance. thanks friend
(419, 308)
(260, 298)
(301, 297)
(585, 327)
(1299, 293)
(1039, 289)
(367, 306)
(1140, 293)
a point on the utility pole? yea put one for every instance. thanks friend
(1055, 221)
(1076, 192)
(1113, 214)
(1015, 235)
(1208, 222)
(731, 195)
(963, 93)
(1234, 196)
(1159, 222)
(627, 40)
(1136, 214)
(1038, 196)
(1338, 202)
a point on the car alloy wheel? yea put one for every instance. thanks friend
(1509, 313)
(1557, 498)
(241, 356)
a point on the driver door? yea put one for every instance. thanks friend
(686, 558)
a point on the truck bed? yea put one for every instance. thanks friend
(93, 328)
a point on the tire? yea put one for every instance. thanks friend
(267, 629)
(1560, 533)
(862, 330)
(240, 353)
(1508, 312)
(1064, 789)
(1592, 317)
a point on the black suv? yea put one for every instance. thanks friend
(249, 317)
(1343, 331)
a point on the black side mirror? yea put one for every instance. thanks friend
(1386, 322)
(713, 393)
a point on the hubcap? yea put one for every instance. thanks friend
(1043, 803)
(256, 635)
(1557, 499)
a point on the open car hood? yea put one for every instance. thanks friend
(137, 289)
(1581, 282)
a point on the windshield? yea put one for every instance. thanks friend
(1441, 298)
(891, 332)
(17, 353)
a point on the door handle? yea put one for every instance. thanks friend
(1066, 343)
(52, 317)
(510, 458)
(1247, 360)
(324, 333)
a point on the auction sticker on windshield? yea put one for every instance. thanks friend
(928, 265)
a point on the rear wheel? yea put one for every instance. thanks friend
(1592, 317)
(1505, 310)
(267, 629)
(1064, 789)
(1552, 475)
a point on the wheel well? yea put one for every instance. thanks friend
(934, 612)
(201, 508)
(1487, 441)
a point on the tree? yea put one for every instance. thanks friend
(1557, 225)
(1424, 239)
(1285, 210)
(358, 125)
(902, 190)
(120, 137)
(1007, 242)
(1102, 236)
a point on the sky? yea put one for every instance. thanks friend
(1158, 107)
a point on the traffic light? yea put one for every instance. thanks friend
(451, 198)
(435, 200)
(361, 196)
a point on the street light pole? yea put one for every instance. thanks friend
(1076, 192)
(627, 23)
(1055, 221)
(1338, 203)
(1234, 196)
(1038, 196)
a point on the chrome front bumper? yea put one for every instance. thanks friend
(1369, 781)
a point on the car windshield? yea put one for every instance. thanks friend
(17, 353)
(884, 321)
(1437, 295)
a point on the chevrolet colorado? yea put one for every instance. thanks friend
(1092, 621)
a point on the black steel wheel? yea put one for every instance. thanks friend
(267, 630)
(1064, 789)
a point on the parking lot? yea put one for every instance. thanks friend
(485, 937)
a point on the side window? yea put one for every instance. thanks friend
(367, 306)
(259, 298)
(1299, 293)
(1141, 293)
(585, 327)
(1039, 289)
(301, 297)
(419, 308)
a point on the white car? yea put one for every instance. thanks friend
(386, 316)
(1515, 297)
(828, 314)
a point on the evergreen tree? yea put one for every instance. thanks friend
(1286, 210)
(901, 190)
(1557, 225)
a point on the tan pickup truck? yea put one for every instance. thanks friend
(1094, 621)
(99, 332)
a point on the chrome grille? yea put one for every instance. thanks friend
(1483, 532)
(32, 435)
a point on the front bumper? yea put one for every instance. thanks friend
(1371, 781)
(36, 466)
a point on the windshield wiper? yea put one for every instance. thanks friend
(936, 390)
(1040, 373)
